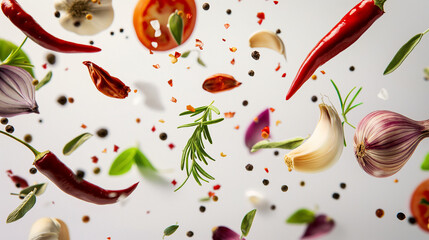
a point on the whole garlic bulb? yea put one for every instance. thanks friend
(49, 229)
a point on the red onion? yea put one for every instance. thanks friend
(385, 140)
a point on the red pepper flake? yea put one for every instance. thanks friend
(173, 100)
(237, 127)
(233, 61)
(265, 132)
(211, 194)
(135, 90)
(174, 182)
(94, 159)
(115, 148)
(396, 180)
(190, 108)
(199, 44)
(177, 54)
(284, 75)
(278, 67)
(150, 51)
(108, 238)
(156, 66)
(229, 114)
(266, 170)
(44, 66)
(261, 17)
(153, 129)
(138, 120)
(233, 49)
(223, 39)
(272, 109)
(226, 25)
(170, 82)
(83, 126)
(104, 150)
(323, 72)
(276, 2)
(171, 146)
(216, 187)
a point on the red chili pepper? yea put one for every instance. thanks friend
(344, 34)
(35, 32)
(19, 181)
(220, 82)
(105, 83)
(62, 176)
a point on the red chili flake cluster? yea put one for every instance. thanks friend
(211, 194)
(190, 108)
(229, 114)
(199, 44)
(153, 129)
(94, 159)
(226, 25)
(174, 182)
(170, 82)
(261, 17)
(233, 61)
(265, 132)
(156, 66)
(233, 49)
(171, 146)
(216, 187)
(115, 148)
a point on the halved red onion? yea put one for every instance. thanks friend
(321, 226)
(253, 132)
(224, 233)
(17, 93)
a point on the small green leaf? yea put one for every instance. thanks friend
(286, 144)
(44, 81)
(185, 54)
(40, 189)
(205, 199)
(403, 53)
(123, 163)
(301, 216)
(425, 163)
(175, 24)
(247, 221)
(200, 61)
(424, 201)
(71, 146)
(170, 230)
(143, 162)
(23, 208)
(6, 49)
(189, 125)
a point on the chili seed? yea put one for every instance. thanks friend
(4, 121)
(245, 103)
(189, 234)
(215, 198)
(273, 207)
(10, 129)
(352, 68)
(276, 153)
(400, 216)
(302, 183)
(228, 11)
(314, 98)
(163, 136)
(57, 14)
(202, 209)
(28, 138)
(102, 132)
(343, 185)
(62, 100)
(85, 219)
(51, 58)
(249, 167)
(278, 31)
(336, 196)
(80, 174)
(251, 73)
(265, 182)
(412, 220)
(206, 6)
(285, 188)
(76, 24)
(379, 213)
(96, 170)
(33, 170)
(256, 55)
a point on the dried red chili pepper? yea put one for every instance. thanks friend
(62, 176)
(35, 32)
(220, 82)
(105, 83)
(19, 181)
(344, 34)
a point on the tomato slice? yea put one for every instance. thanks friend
(147, 11)
(419, 210)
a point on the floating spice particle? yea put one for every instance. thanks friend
(278, 122)
(343, 185)
(284, 188)
(256, 119)
(336, 196)
(121, 30)
(276, 153)
(352, 68)
(222, 154)
(314, 98)
(228, 11)
(173, 99)
(323, 72)
(272, 109)
(156, 66)
(115, 148)
(302, 183)
(190, 108)
(226, 25)
(202, 209)
(94, 159)
(4, 121)
(62, 100)
(57, 14)
(10, 129)
(211, 194)
(80, 174)
(33, 170)
(163, 136)
(28, 138)
(215, 198)
(223, 39)
(171, 146)
(233, 49)
(276, 2)
(161, 121)
(278, 31)
(174, 182)
(265, 132)
(249, 167)
(138, 120)
(266, 170)
(153, 129)
(261, 17)
(51, 58)
(102, 132)
(251, 73)
(245, 103)
(83, 126)
(71, 100)
(400, 216)
(265, 182)
(379, 213)
(256, 55)
(88, 16)
(96, 170)
(206, 6)
(85, 219)
(237, 127)
(104, 150)
(396, 180)
(135, 91)
(170, 82)
(216, 187)
(229, 114)
(283, 75)
(199, 44)
(189, 234)
(314, 77)
(412, 220)
(233, 61)
(35, 82)
(273, 207)
(278, 68)
(91, 42)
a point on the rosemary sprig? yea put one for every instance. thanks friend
(344, 109)
(194, 149)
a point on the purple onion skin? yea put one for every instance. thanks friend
(321, 226)
(224, 233)
(17, 93)
(385, 140)
(253, 132)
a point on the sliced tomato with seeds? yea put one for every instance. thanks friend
(421, 210)
(147, 11)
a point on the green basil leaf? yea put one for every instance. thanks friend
(40, 189)
(200, 61)
(175, 24)
(301, 216)
(185, 54)
(424, 201)
(71, 146)
(403, 53)
(170, 230)
(44, 81)
(426, 71)
(247, 221)
(286, 144)
(425, 163)
(23, 208)
(7, 47)
(143, 162)
(123, 163)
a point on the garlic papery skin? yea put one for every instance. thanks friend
(85, 17)
(385, 140)
(49, 229)
(323, 148)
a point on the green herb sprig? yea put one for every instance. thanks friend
(194, 148)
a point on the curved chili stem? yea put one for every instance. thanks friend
(380, 4)
(35, 152)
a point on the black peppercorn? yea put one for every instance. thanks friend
(245, 103)
(28, 138)
(276, 153)
(57, 14)
(314, 98)
(412, 220)
(121, 30)
(163, 136)
(285, 188)
(228, 11)
(352, 68)
(189, 234)
(273, 207)
(256, 55)
(249, 167)
(18, 185)
(33, 170)
(302, 183)
(10, 129)
(202, 209)
(62, 100)
(400, 216)
(251, 73)
(80, 174)
(265, 182)
(278, 31)
(206, 6)
(4, 121)
(343, 185)
(51, 58)
(336, 196)
(102, 132)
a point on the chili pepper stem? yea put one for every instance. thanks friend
(35, 152)
(380, 4)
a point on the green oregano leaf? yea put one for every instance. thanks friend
(6, 48)
(71, 146)
(23, 208)
(286, 144)
(246, 223)
(200, 61)
(301, 216)
(170, 230)
(425, 163)
(403, 53)
(175, 24)
(123, 162)
(185, 54)
(40, 189)
(44, 81)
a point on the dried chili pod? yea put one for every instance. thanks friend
(105, 83)
(220, 82)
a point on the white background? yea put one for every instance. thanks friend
(303, 24)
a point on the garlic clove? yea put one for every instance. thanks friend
(49, 229)
(267, 39)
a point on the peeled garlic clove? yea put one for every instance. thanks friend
(323, 148)
(385, 140)
(49, 229)
(267, 39)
